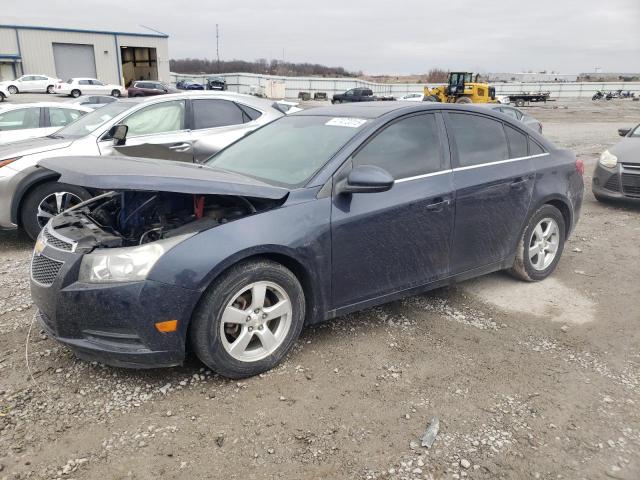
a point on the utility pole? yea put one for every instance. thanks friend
(218, 47)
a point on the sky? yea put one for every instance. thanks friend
(376, 36)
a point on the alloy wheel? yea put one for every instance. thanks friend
(12, 90)
(54, 204)
(256, 321)
(544, 242)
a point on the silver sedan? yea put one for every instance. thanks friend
(188, 127)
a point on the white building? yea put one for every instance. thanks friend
(111, 56)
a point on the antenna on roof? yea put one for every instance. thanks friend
(153, 30)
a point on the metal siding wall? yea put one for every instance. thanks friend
(162, 51)
(37, 51)
(8, 44)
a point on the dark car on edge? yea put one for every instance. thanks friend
(617, 173)
(147, 88)
(189, 85)
(354, 95)
(315, 215)
(216, 83)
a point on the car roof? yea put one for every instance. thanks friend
(200, 94)
(16, 106)
(373, 110)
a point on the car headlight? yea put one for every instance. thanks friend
(608, 159)
(127, 264)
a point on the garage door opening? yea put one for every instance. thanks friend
(74, 60)
(138, 63)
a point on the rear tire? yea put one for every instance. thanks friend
(30, 221)
(13, 90)
(429, 98)
(75, 93)
(50, 89)
(464, 100)
(115, 93)
(524, 267)
(224, 297)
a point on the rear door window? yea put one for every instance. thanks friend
(517, 142)
(20, 119)
(535, 148)
(406, 148)
(216, 113)
(478, 139)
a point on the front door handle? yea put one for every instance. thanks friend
(180, 147)
(438, 204)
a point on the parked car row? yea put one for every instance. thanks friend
(317, 214)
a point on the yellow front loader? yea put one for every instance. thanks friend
(461, 89)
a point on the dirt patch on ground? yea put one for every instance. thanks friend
(528, 381)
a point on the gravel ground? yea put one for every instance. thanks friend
(527, 380)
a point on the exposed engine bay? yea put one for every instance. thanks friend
(121, 219)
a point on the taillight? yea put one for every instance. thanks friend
(580, 166)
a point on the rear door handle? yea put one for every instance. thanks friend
(519, 182)
(180, 147)
(438, 204)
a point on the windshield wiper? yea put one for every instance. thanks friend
(55, 136)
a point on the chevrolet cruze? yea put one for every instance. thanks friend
(325, 212)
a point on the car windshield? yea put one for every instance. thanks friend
(91, 121)
(636, 132)
(289, 151)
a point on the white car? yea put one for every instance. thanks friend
(412, 97)
(4, 92)
(31, 84)
(33, 120)
(88, 86)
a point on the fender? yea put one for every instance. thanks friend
(39, 175)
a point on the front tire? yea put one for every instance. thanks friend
(248, 319)
(464, 100)
(520, 102)
(115, 93)
(46, 201)
(541, 245)
(429, 98)
(75, 93)
(2, 97)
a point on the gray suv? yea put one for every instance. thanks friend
(188, 127)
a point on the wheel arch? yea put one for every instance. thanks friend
(26, 185)
(313, 299)
(561, 203)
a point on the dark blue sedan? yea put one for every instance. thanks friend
(318, 214)
(189, 85)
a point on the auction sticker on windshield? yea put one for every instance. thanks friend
(346, 122)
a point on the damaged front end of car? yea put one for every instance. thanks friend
(92, 269)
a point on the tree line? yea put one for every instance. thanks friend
(260, 66)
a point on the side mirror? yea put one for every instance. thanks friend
(119, 134)
(366, 179)
(623, 131)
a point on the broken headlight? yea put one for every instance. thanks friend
(126, 264)
(608, 159)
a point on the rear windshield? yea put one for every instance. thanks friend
(289, 151)
(92, 121)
